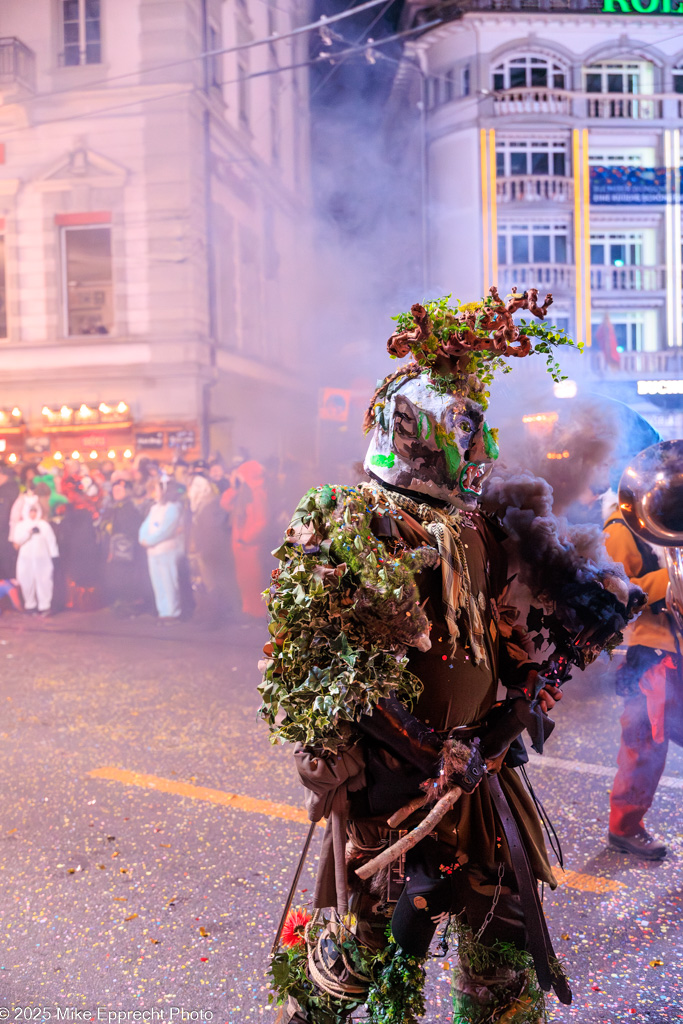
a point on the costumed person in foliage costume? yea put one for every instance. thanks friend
(391, 628)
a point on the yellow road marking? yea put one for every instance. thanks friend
(213, 796)
(587, 883)
(271, 809)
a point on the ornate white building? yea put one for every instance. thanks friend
(151, 205)
(555, 126)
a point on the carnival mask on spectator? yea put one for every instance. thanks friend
(431, 440)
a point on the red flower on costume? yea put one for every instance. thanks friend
(293, 928)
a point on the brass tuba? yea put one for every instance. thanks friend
(651, 500)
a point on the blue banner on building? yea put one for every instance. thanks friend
(627, 186)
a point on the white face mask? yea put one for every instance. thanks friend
(432, 442)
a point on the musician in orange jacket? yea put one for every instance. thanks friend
(651, 682)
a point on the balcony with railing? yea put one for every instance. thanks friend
(615, 106)
(606, 280)
(596, 106)
(551, 277)
(531, 100)
(17, 64)
(533, 188)
(662, 363)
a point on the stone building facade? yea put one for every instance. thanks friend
(151, 203)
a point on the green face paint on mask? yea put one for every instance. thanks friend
(384, 460)
(446, 442)
(491, 442)
(421, 420)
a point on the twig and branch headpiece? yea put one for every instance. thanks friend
(462, 345)
(478, 327)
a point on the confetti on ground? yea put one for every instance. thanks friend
(615, 921)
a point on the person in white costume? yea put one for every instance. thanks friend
(36, 543)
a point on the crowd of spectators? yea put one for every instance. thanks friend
(170, 540)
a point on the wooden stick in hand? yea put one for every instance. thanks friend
(407, 842)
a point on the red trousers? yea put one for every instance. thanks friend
(249, 578)
(651, 717)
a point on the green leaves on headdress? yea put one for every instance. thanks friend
(476, 338)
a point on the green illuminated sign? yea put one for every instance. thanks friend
(642, 7)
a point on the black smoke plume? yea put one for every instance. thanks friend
(564, 568)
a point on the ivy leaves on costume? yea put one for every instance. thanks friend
(397, 992)
(396, 984)
(343, 609)
(288, 977)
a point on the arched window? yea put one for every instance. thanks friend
(620, 76)
(529, 72)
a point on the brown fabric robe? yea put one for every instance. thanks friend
(456, 692)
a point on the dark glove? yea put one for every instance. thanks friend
(508, 720)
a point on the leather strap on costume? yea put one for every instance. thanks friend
(538, 940)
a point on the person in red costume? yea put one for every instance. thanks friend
(245, 500)
(80, 489)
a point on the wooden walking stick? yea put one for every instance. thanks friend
(292, 888)
(459, 761)
(407, 842)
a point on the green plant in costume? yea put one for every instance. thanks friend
(394, 992)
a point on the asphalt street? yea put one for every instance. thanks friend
(150, 832)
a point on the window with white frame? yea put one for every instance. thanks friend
(531, 157)
(629, 329)
(529, 72)
(678, 78)
(87, 280)
(617, 249)
(630, 77)
(533, 243)
(81, 32)
(3, 290)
